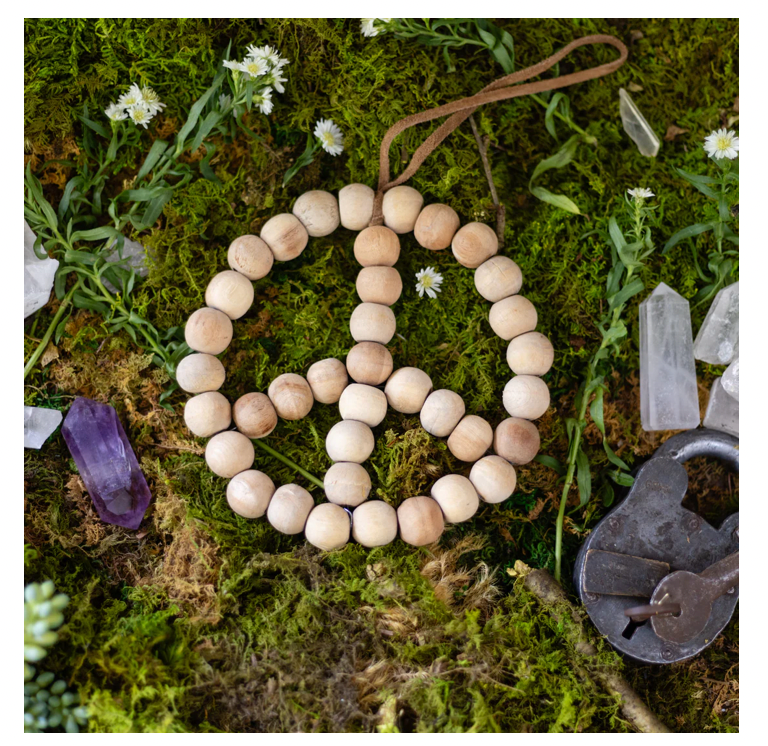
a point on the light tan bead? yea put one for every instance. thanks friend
(199, 372)
(374, 524)
(369, 362)
(377, 246)
(526, 397)
(456, 497)
(471, 438)
(230, 292)
(229, 453)
(421, 521)
(473, 244)
(379, 285)
(250, 256)
(372, 322)
(356, 206)
(347, 483)
(498, 278)
(401, 207)
(516, 440)
(436, 226)
(291, 396)
(512, 316)
(327, 378)
(407, 390)
(249, 493)
(208, 330)
(327, 527)
(494, 478)
(289, 509)
(364, 404)
(349, 440)
(285, 236)
(318, 212)
(255, 415)
(530, 354)
(207, 414)
(441, 412)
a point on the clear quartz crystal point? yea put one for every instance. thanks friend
(636, 126)
(718, 339)
(39, 423)
(134, 257)
(668, 393)
(731, 379)
(722, 410)
(38, 275)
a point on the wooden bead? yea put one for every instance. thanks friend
(347, 483)
(379, 285)
(494, 478)
(471, 438)
(498, 278)
(369, 362)
(474, 244)
(436, 226)
(512, 316)
(285, 236)
(249, 493)
(230, 292)
(401, 207)
(526, 397)
(374, 524)
(356, 206)
(255, 415)
(364, 404)
(377, 246)
(327, 527)
(199, 372)
(327, 379)
(516, 440)
(318, 212)
(456, 497)
(289, 509)
(372, 322)
(207, 414)
(407, 390)
(208, 330)
(530, 354)
(349, 440)
(420, 520)
(229, 453)
(441, 412)
(250, 256)
(291, 396)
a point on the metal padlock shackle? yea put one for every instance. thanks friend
(647, 537)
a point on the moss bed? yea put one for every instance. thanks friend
(204, 621)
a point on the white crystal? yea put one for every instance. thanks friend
(722, 410)
(731, 379)
(38, 275)
(636, 126)
(718, 339)
(668, 393)
(39, 423)
(134, 255)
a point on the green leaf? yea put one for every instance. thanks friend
(95, 126)
(628, 291)
(69, 189)
(155, 208)
(583, 477)
(550, 462)
(621, 478)
(205, 164)
(560, 159)
(72, 256)
(157, 149)
(607, 494)
(558, 200)
(95, 234)
(596, 410)
(549, 117)
(205, 128)
(80, 300)
(612, 457)
(615, 233)
(692, 230)
(195, 111)
(303, 160)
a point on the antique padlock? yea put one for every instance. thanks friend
(657, 580)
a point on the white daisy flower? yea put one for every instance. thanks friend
(275, 78)
(264, 101)
(115, 112)
(640, 193)
(232, 64)
(266, 53)
(369, 28)
(428, 281)
(722, 143)
(140, 115)
(132, 98)
(254, 67)
(330, 136)
(151, 100)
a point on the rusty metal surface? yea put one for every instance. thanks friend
(651, 523)
(622, 574)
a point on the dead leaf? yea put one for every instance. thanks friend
(736, 105)
(673, 131)
(51, 353)
(634, 87)
(636, 35)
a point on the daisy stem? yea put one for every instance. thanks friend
(292, 464)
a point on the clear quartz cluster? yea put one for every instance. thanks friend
(38, 275)
(636, 127)
(668, 392)
(731, 379)
(722, 410)
(39, 423)
(718, 339)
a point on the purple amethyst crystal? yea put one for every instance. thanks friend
(106, 462)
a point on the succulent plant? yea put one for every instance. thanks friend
(42, 615)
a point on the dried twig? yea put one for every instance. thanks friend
(500, 211)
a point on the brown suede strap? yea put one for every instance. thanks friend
(499, 90)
